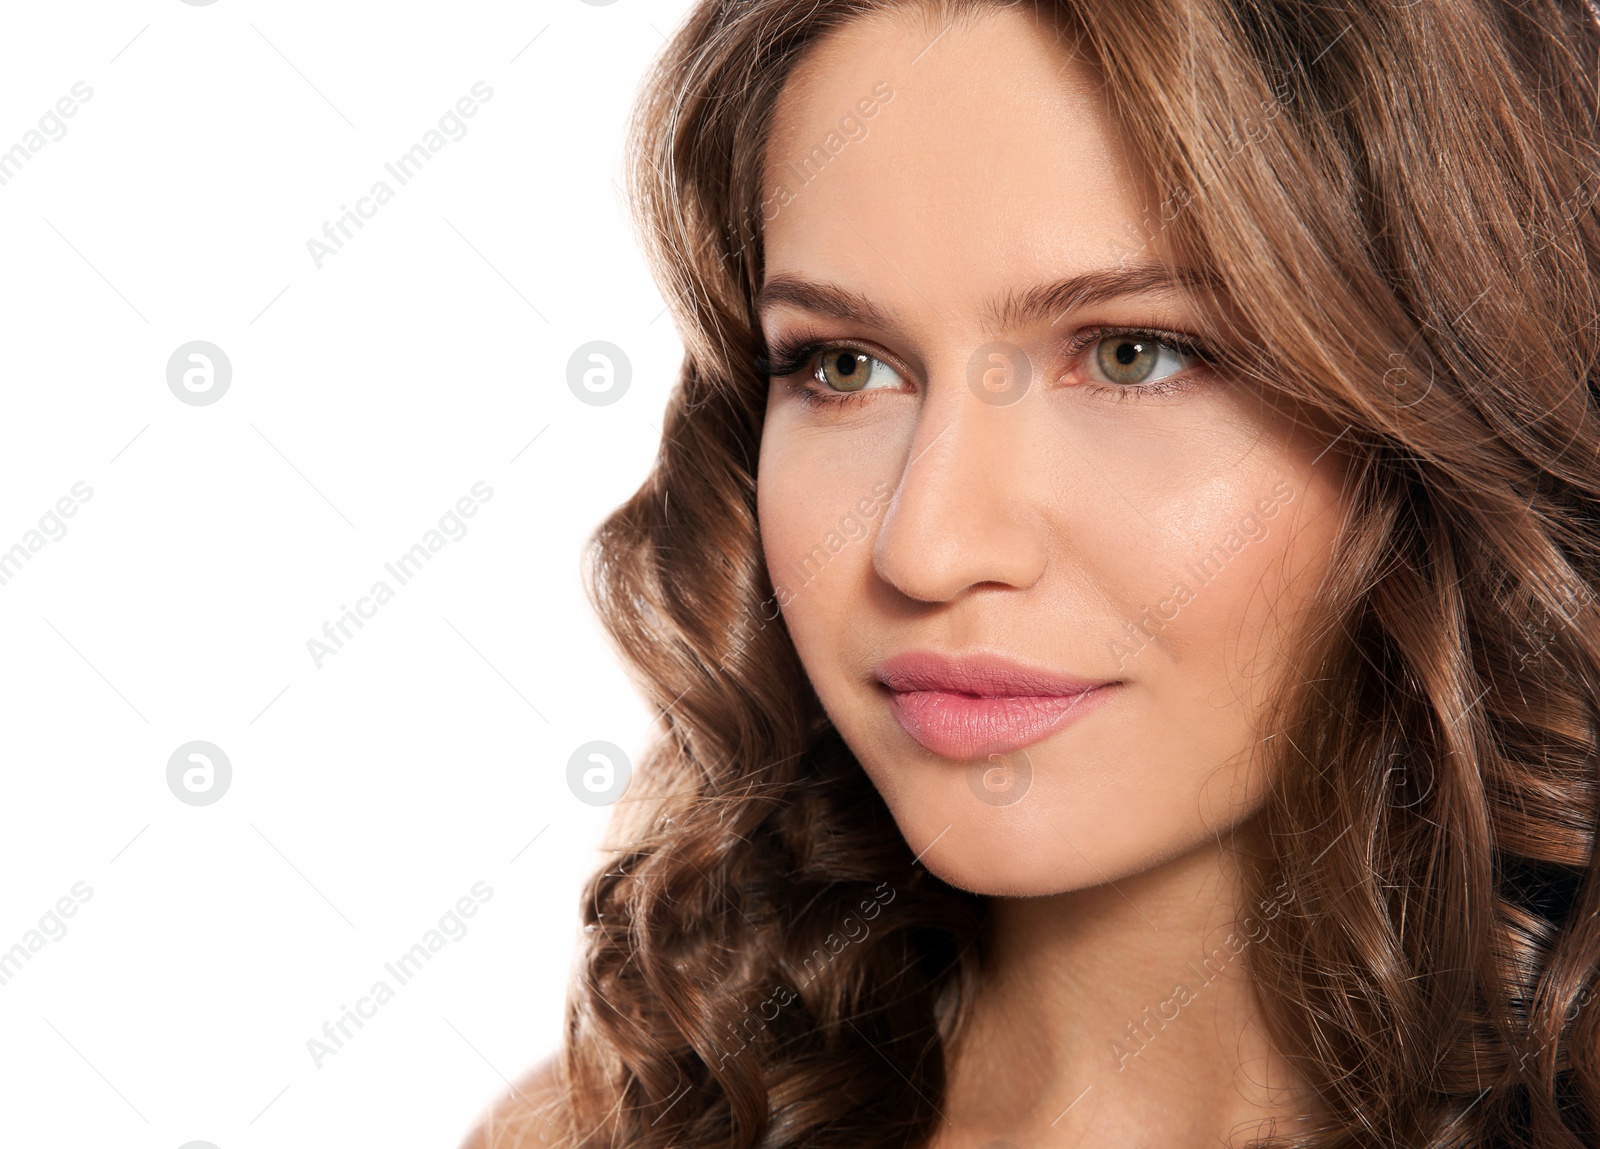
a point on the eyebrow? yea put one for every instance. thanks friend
(1011, 309)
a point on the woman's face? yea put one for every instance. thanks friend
(1042, 574)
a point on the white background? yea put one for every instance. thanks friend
(367, 397)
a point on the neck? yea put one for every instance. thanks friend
(1125, 1011)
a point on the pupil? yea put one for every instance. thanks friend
(1127, 352)
(846, 364)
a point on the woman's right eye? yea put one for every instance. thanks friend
(846, 370)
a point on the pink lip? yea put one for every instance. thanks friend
(983, 704)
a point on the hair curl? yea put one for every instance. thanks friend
(1408, 251)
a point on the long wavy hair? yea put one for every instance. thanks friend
(1398, 200)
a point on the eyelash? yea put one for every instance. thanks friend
(790, 354)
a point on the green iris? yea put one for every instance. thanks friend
(846, 370)
(1128, 360)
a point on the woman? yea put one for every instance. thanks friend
(1119, 585)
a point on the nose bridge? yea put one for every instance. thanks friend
(963, 512)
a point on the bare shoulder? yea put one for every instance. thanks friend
(521, 1117)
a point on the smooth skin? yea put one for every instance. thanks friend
(918, 513)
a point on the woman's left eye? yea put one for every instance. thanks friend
(1137, 358)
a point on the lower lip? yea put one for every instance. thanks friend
(964, 726)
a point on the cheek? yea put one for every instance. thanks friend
(1207, 530)
(1252, 579)
(818, 509)
(1219, 642)
(1205, 583)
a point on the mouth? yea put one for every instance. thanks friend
(980, 705)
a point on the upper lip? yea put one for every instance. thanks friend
(983, 675)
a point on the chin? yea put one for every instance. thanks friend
(1008, 853)
(1003, 877)
(1043, 844)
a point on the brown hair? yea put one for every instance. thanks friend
(1398, 200)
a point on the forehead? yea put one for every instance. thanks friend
(938, 164)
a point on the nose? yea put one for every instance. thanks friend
(966, 512)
